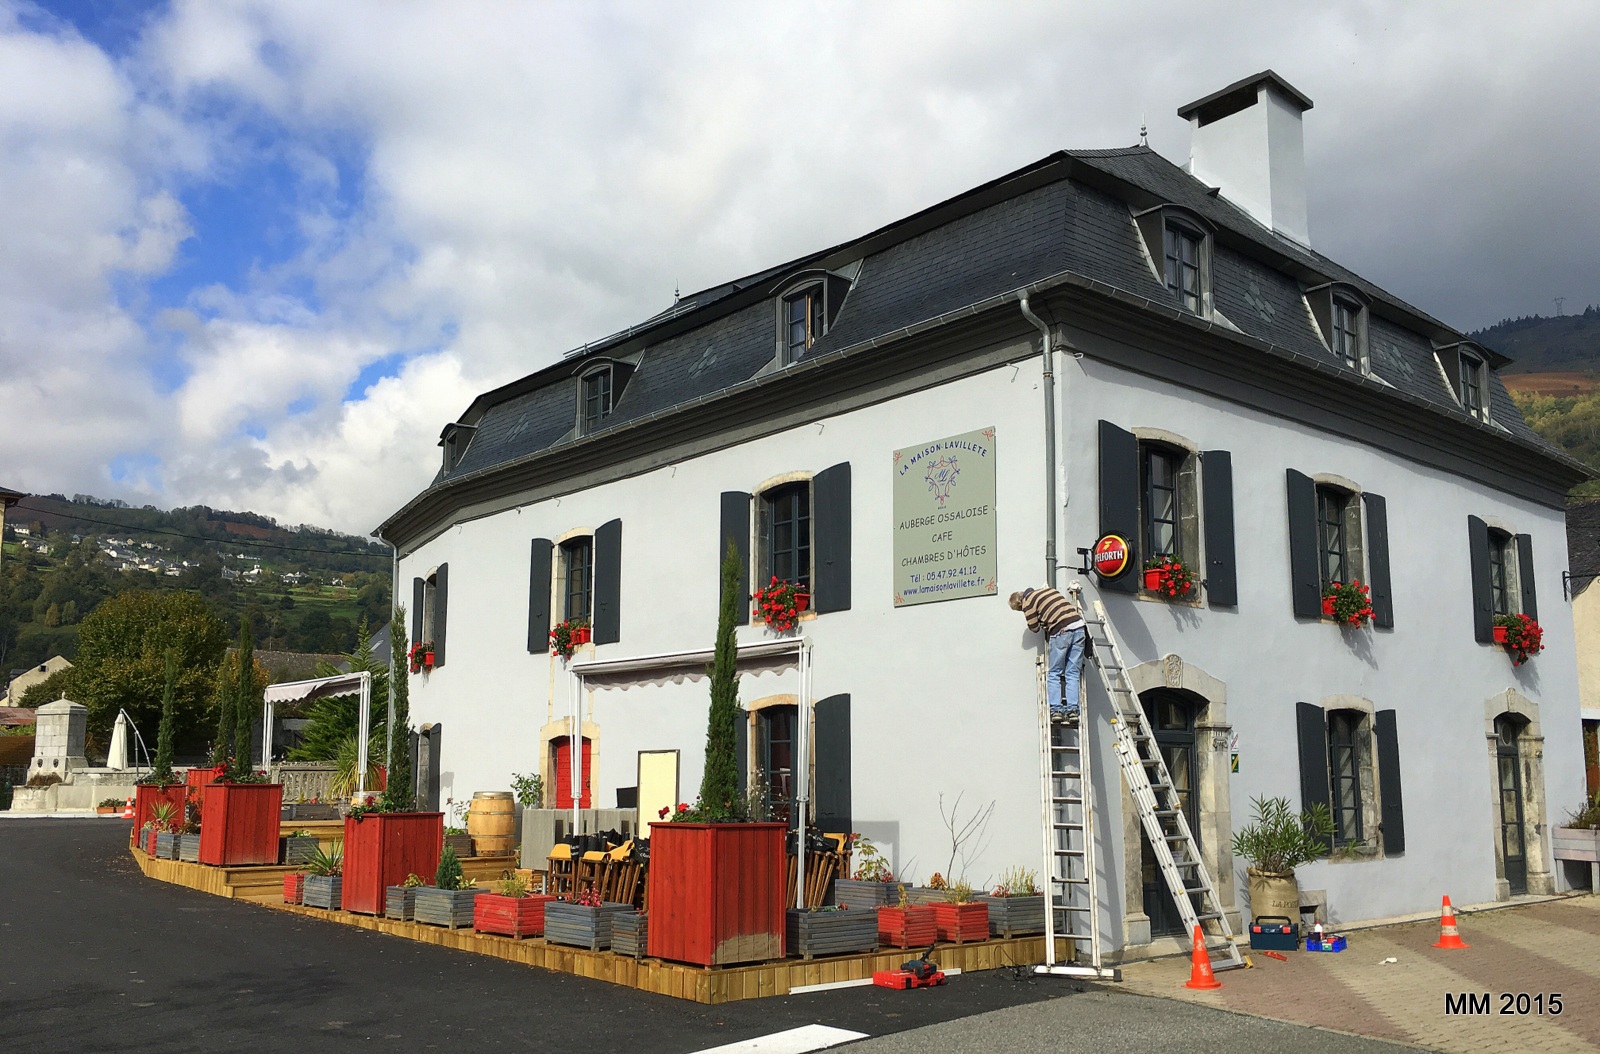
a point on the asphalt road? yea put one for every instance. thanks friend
(94, 957)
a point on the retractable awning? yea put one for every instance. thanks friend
(359, 682)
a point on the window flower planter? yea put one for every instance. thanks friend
(568, 636)
(831, 932)
(241, 825)
(779, 604)
(1348, 603)
(322, 891)
(858, 893)
(1327, 607)
(1015, 916)
(1500, 633)
(514, 917)
(908, 927)
(1169, 577)
(1521, 636)
(382, 848)
(962, 922)
(630, 933)
(580, 924)
(717, 892)
(451, 908)
(294, 888)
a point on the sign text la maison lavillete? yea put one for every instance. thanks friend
(944, 519)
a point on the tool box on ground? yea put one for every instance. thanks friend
(917, 973)
(1275, 932)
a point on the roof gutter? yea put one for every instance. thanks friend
(1047, 358)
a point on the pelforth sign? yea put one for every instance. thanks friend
(944, 519)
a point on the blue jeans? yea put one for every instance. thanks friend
(1066, 666)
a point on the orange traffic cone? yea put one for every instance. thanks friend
(1200, 975)
(1449, 936)
(127, 809)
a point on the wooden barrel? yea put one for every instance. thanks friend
(492, 822)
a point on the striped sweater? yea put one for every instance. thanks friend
(1047, 610)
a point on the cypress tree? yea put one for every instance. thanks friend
(400, 793)
(245, 703)
(222, 747)
(163, 764)
(719, 787)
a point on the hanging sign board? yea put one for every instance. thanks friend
(944, 519)
(1110, 556)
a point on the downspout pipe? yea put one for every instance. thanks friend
(1048, 361)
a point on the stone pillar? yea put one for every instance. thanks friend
(58, 739)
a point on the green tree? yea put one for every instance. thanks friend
(719, 786)
(163, 763)
(246, 701)
(400, 793)
(121, 660)
(224, 699)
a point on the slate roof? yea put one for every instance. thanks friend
(1082, 223)
(1583, 543)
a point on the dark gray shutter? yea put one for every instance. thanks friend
(1482, 589)
(1388, 747)
(1530, 599)
(736, 529)
(832, 730)
(428, 775)
(441, 612)
(608, 582)
(1311, 726)
(1305, 580)
(1119, 499)
(1378, 560)
(419, 597)
(741, 749)
(830, 534)
(539, 595)
(1221, 573)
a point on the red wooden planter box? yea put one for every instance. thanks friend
(241, 824)
(717, 892)
(197, 780)
(381, 849)
(908, 927)
(517, 917)
(145, 798)
(961, 922)
(150, 842)
(294, 888)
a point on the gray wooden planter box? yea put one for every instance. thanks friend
(921, 895)
(582, 926)
(630, 933)
(400, 902)
(167, 846)
(859, 894)
(1014, 916)
(443, 907)
(812, 933)
(189, 848)
(324, 891)
(1579, 845)
(461, 843)
(299, 849)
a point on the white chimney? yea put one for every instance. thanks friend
(1247, 140)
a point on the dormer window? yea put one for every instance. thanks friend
(1341, 314)
(1466, 370)
(597, 398)
(1346, 339)
(454, 439)
(807, 321)
(1182, 248)
(1177, 244)
(1471, 383)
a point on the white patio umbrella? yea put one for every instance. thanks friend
(117, 756)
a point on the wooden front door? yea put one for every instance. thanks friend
(1172, 720)
(563, 767)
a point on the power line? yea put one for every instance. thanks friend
(206, 538)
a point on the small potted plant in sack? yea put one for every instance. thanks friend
(448, 902)
(400, 902)
(511, 910)
(325, 878)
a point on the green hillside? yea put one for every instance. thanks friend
(1543, 344)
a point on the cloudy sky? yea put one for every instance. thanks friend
(255, 254)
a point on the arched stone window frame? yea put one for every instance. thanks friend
(1370, 847)
(1191, 537)
(1530, 749)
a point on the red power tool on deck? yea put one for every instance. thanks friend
(917, 973)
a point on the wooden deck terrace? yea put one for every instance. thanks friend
(264, 885)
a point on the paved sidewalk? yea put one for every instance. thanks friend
(1542, 949)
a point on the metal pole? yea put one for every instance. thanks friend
(267, 712)
(575, 746)
(388, 724)
(802, 780)
(1049, 385)
(363, 732)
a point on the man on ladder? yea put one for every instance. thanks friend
(1052, 614)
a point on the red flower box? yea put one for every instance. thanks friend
(717, 892)
(381, 849)
(515, 917)
(908, 927)
(427, 659)
(802, 601)
(1152, 579)
(1327, 606)
(962, 922)
(145, 798)
(241, 824)
(294, 888)
(1500, 634)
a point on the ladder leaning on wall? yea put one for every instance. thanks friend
(1072, 885)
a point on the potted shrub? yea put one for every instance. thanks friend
(109, 807)
(568, 636)
(323, 879)
(399, 902)
(873, 883)
(1276, 842)
(381, 848)
(1016, 905)
(779, 604)
(959, 918)
(298, 847)
(1578, 840)
(1169, 577)
(1522, 636)
(448, 902)
(511, 910)
(584, 921)
(836, 930)
(1347, 603)
(906, 925)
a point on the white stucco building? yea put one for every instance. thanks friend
(1219, 391)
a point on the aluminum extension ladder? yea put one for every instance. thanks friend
(1156, 801)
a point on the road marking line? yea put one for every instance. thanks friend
(793, 1041)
